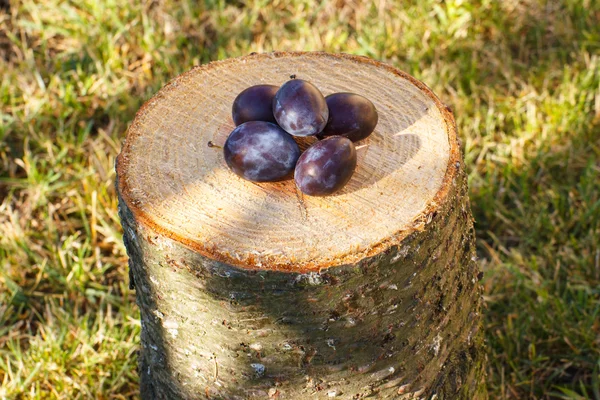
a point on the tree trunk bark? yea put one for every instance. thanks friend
(397, 317)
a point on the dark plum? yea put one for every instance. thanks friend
(350, 115)
(260, 151)
(254, 104)
(326, 166)
(300, 108)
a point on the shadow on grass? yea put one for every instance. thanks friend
(536, 226)
(531, 45)
(536, 219)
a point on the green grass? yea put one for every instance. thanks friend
(522, 76)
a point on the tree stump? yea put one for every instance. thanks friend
(251, 290)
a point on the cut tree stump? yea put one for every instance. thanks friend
(252, 290)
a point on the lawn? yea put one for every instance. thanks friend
(523, 79)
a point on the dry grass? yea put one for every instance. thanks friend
(523, 78)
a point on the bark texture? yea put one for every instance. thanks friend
(373, 293)
(402, 324)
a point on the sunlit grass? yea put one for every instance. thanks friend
(523, 78)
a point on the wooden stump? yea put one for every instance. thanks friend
(251, 290)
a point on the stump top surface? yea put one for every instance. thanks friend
(175, 183)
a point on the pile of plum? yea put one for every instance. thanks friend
(261, 148)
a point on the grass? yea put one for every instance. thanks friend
(522, 76)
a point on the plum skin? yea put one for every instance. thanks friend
(261, 151)
(326, 167)
(300, 108)
(254, 104)
(350, 115)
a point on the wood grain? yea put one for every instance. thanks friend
(251, 291)
(172, 181)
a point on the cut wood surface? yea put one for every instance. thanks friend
(254, 291)
(172, 180)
